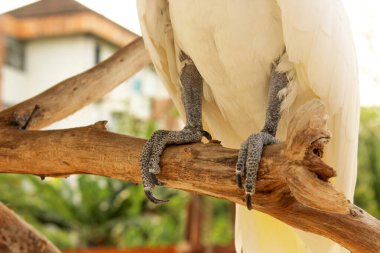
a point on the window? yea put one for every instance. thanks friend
(97, 53)
(14, 53)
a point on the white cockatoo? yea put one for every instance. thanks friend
(236, 66)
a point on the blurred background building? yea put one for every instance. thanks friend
(47, 41)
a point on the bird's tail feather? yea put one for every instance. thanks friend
(256, 232)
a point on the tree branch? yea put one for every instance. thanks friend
(78, 91)
(291, 183)
(18, 236)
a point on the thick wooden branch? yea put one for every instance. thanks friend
(18, 236)
(291, 185)
(78, 91)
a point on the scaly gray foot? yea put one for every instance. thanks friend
(252, 148)
(248, 162)
(150, 158)
(191, 90)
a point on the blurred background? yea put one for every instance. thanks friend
(44, 42)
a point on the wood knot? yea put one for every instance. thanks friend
(313, 159)
(41, 245)
(317, 146)
(355, 211)
(100, 125)
(215, 141)
(190, 152)
(23, 120)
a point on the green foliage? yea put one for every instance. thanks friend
(127, 124)
(90, 211)
(367, 193)
(222, 230)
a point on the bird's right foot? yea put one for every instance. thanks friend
(248, 162)
(154, 147)
(252, 148)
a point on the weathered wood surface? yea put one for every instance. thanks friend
(18, 236)
(291, 184)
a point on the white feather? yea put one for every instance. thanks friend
(319, 42)
(233, 44)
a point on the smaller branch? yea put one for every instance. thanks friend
(16, 236)
(79, 90)
(292, 181)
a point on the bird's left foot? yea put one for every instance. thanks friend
(249, 160)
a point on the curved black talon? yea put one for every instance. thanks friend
(239, 180)
(155, 179)
(151, 197)
(248, 200)
(207, 135)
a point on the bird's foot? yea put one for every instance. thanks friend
(154, 147)
(249, 160)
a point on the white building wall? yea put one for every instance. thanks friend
(14, 82)
(51, 60)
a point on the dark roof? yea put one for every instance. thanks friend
(49, 7)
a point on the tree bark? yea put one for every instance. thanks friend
(292, 181)
(18, 236)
